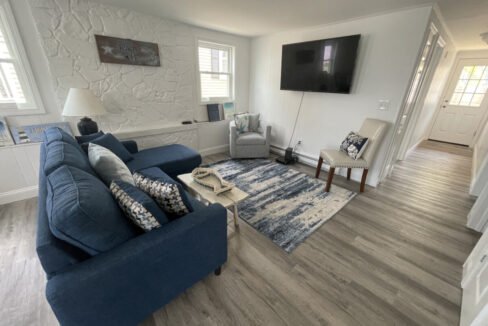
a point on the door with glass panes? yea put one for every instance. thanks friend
(464, 104)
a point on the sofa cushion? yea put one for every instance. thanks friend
(139, 207)
(57, 134)
(251, 138)
(88, 138)
(114, 145)
(108, 165)
(60, 153)
(82, 212)
(173, 159)
(169, 195)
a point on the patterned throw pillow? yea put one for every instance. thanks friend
(354, 145)
(242, 123)
(170, 196)
(138, 206)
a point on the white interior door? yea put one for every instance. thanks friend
(464, 104)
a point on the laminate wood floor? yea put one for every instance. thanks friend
(392, 256)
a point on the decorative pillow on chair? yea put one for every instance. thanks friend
(254, 123)
(108, 165)
(242, 123)
(170, 196)
(114, 145)
(138, 206)
(354, 145)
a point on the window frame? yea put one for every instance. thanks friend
(231, 73)
(22, 64)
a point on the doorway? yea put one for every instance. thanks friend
(427, 64)
(465, 104)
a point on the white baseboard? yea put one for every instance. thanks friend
(215, 150)
(312, 161)
(18, 194)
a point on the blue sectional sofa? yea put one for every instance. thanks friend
(124, 285)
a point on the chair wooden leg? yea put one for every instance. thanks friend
(349, 173)
(363, 180)
(319, 166)
(329, 179)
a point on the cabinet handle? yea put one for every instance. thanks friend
(483, 258)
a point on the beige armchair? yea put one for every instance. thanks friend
(371, 128)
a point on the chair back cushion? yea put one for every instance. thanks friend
(374, 130)
(82, 212)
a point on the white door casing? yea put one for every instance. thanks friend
(464, 106)
(475, 286)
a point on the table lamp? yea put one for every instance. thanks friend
(82, 103)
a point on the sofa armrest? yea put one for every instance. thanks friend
(130, 145)
(125, 285)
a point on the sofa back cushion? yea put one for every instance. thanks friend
(57, 134)
(82, 212)
(59, 153)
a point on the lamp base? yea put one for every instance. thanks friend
(87, 126)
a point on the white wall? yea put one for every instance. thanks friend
(134, 96)
(388, 52)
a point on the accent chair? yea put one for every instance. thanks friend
(371, 128)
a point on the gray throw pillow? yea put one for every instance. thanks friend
(254, 122)
(108, 166)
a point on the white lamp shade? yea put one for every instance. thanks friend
(81, 102)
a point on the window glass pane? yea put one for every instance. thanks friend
(214, 85)
(478, 72)
(477, 99)
(213, 60)
(456, 98)
(466, 72)
(12, 90)
(466, 99)
(4, 52)
(485, 74)
(461, 85)
(471, 86)
(482, 87)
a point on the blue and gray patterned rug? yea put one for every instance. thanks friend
(285, 205)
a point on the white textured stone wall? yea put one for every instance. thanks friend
(133, 95)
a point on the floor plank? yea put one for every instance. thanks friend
(392, 256)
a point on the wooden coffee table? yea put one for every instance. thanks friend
(228, 199)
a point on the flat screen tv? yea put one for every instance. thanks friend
(320, 66)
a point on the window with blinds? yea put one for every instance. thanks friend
(215, 62)
(18, 94)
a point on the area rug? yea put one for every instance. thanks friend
(285, 205)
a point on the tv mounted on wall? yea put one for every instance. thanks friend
(320, 66)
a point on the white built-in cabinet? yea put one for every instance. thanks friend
(19, 172)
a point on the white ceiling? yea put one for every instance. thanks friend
(466, 19)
